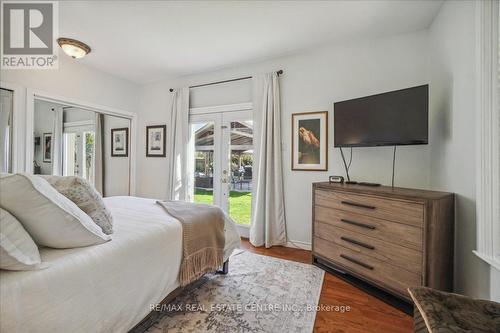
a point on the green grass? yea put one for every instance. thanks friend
(240, 204)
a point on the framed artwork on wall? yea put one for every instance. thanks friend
(310, 141)
(47, 147)
(156, 140)
(119, 142)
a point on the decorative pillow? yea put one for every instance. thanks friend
(18, 252)
(85, 197)
(49, 217)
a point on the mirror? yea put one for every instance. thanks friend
(71, 141)
(6, 110)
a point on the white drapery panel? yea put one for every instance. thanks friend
(180, 148)
(57, 142)
(99, 151)
(268, 219)
(5, 129)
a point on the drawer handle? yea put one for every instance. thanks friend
(357, 205)
(353, 241)
(362, 225)
(362, 264)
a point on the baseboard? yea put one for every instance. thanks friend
(293, 244)
(299, 245)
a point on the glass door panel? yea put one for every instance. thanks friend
(88, 172)
(241, 166)
(78, 154)
(204, 137)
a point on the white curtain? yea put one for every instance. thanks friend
(57, 142)
(180, 147)
(5, 129)
(268, 219)
(98, 153)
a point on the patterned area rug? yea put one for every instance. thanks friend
(260, 294)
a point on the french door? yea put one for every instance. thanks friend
(223, 162)
(78, 150)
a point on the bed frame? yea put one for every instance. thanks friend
(143, 324)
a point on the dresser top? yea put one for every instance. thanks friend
(386, 191)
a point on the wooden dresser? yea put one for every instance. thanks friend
(392, 238)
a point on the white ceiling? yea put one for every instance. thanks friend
(145, 41)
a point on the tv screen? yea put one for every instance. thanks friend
(394, 118)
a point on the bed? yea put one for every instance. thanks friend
(103, 288)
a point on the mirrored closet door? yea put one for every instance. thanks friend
(71, 141)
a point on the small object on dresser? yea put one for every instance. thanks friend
(369, 184)
(336, 179)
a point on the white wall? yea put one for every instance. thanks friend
(452, 103)
(312, 81)
(75, 81)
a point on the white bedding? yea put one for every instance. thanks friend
(101, 288)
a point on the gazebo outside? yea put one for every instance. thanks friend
(241, 171)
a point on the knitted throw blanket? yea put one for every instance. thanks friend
(202, 238)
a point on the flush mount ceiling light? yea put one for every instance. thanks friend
(74, 48)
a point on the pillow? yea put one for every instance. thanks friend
(18, 252)
(85, 197)
(49, 217)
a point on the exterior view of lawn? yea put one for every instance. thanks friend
(240, 204)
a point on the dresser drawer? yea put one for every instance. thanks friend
(393, 254)
(406, 212)
(382, 273)
(393, 232)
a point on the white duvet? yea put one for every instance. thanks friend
(101, 288)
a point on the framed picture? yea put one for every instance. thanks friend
(310, 141)
(47, 147)
(119, 142)
(156, 140)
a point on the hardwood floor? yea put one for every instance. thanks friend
(368, 314)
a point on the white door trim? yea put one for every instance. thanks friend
(32, 94)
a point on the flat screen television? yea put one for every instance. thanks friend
(394, 118)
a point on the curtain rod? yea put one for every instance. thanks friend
(226, 81)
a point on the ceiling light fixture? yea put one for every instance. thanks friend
(74, 48)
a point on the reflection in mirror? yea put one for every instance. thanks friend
(6, 108)
(71, 141)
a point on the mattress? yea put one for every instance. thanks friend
(102, 288)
